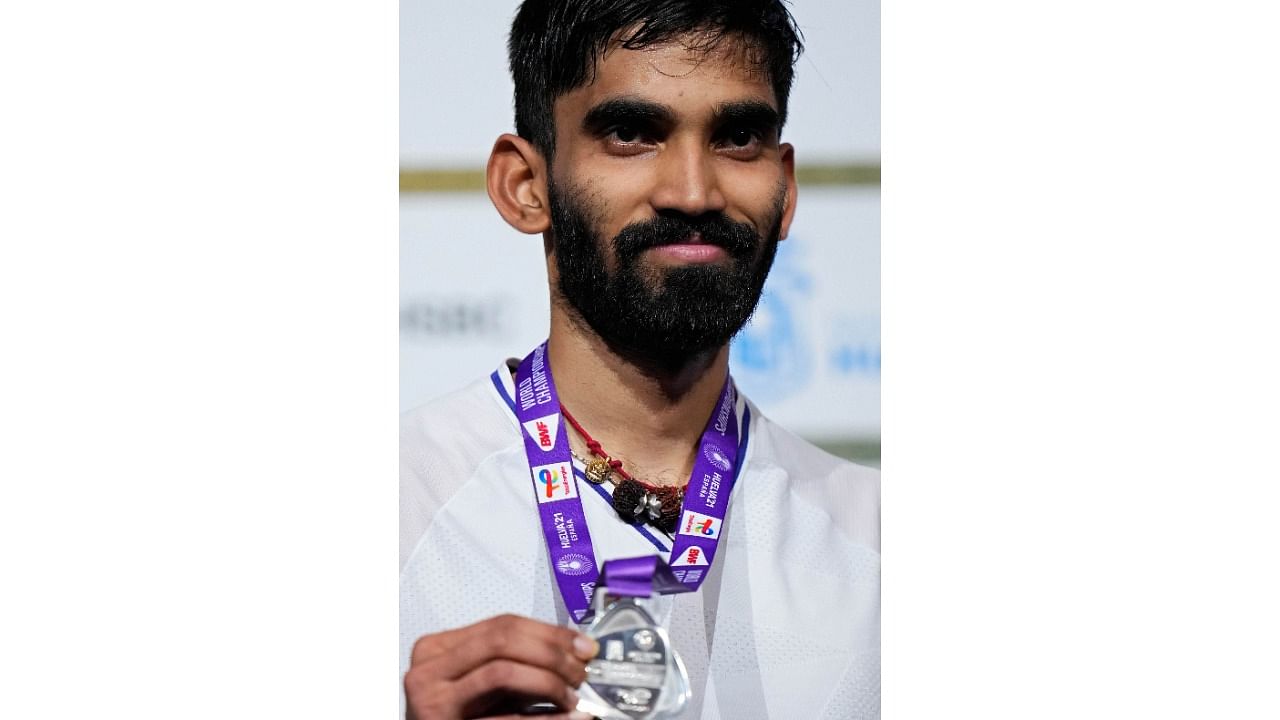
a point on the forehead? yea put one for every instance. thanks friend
(682, 71)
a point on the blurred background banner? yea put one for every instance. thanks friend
(473, 291)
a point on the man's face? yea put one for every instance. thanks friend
(669, 192)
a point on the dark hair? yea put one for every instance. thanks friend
(555, 45)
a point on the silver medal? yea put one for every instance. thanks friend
(636, 675)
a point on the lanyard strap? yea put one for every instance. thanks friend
(564, 524)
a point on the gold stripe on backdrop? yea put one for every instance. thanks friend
(421, 180)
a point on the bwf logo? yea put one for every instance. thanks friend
(692, 556)
(700, 525)
(544, 430)
(554, 482)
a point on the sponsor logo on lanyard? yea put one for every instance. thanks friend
(554, 482)
(699, 525)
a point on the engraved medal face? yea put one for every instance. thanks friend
(636, 675)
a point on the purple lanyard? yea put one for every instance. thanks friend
(564, 524)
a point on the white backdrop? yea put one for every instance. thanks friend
(473, 291)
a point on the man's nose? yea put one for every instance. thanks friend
(687, 181)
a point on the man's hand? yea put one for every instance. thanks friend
(496, 667)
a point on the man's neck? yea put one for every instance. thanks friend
(648, 416)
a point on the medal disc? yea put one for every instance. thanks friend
(636, 675)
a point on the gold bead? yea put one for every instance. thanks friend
(598, 471)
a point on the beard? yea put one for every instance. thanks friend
(652, 314)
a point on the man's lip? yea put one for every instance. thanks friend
(690, 252)
(693, 238)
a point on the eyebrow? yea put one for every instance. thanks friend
(752, 113)
(626, 110)
(636, 111)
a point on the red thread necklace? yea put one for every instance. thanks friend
(633, 500)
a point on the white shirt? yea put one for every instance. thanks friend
(787, 623)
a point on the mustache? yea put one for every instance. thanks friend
(738, 239)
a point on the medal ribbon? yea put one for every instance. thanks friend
(640, 577)
(564, 524)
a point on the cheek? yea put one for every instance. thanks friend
(758, 202)
(616, 200)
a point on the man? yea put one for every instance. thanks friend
(648, 158)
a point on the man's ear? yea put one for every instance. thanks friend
(789, 198)
(516, 178)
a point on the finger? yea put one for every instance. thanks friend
(512, 677)
(575, 715)
(428, 697)
(452, 654)
(449, 640)
(535, 651)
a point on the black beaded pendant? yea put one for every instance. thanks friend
(657, 506)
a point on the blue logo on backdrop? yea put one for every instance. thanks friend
(855, 348)
(777, 355)
(772, 358)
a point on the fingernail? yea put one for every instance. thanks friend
(585, 647)
(579, 715)
(573, 697)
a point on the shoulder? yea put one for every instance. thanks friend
(466, 414)
(849, 493)
(442, 444)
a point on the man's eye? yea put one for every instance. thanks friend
(741, 137)
(626, 133)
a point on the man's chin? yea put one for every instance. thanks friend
(692, 281)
